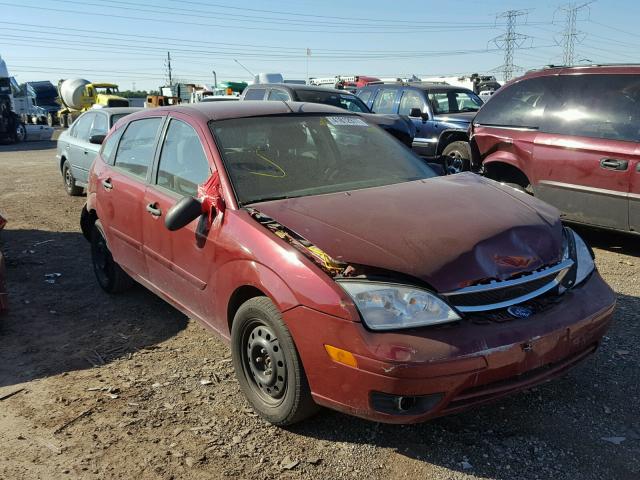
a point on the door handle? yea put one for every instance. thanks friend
(614, 164)
(107, 184)
(153, 210)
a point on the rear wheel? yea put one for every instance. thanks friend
(267, 364)
(109, 274)
(457, 157)
(50, 120)
(69, 181)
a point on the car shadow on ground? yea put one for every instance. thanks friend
(524, 435)
(28, 146)
(60, 320)
(625, 243)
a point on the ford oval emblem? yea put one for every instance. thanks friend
(519, 311)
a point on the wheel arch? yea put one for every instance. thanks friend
(506, 171)
(238, 281)
(450, 136)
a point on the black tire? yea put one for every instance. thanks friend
(267, 364)
(64, 120)
(21, 133)
(458, 157)
(69, 181)
(109, 274)
(50, 120)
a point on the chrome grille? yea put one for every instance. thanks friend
(501, 294)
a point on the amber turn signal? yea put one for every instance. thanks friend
(341, 356)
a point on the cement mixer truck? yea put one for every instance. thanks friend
(77, 95)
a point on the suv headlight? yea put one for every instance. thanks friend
(387, 306)
(576, 249)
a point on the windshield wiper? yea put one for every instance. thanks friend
(265, 199)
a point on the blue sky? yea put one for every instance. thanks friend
(126, 41)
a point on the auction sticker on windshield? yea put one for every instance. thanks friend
(350, 121)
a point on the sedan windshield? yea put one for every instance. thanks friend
(274, 157)
(452, 101)
(346, 101)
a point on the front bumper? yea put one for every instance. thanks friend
(468, 364)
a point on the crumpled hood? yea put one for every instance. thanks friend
(449, 231)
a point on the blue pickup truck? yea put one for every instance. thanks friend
(441, 113)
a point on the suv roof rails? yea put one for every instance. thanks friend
(585, 65)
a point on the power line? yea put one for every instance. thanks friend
(510, 41)
(571, 34)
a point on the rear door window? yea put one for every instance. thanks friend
(365, 95)
(137, 146)
(597, 106)
(276, 94)
(385, 102)
(255, 94)
(520, 105)
(183, 163)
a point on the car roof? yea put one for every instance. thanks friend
(206, 111)
(297, 86)
(555, 70)
(116, 110)
(417, 85)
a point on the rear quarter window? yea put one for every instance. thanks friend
(521, 104)
(255, 94)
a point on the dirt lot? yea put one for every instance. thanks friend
(112, 387)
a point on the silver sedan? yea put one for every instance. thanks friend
(79, 145)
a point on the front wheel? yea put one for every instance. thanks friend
(457, 157)
(267, 364)
(21, 133)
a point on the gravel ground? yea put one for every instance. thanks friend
(127, 387)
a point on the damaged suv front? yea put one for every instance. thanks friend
(432, 294)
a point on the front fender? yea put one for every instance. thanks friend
(239, 273)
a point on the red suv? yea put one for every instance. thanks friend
(343, 271)
(569, 136)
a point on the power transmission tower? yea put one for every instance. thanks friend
(510, 41)
(168, 67)
(571, 35)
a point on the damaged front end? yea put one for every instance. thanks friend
(390, 300)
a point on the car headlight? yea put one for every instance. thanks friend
(387, 306)
(576, 249)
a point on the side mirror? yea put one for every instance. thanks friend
(185, 211)
(97, 138)
(417, 113)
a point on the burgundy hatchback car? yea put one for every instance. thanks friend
(342, 270)
(571, 137)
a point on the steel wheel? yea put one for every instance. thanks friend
(265, 363)
(455, 163)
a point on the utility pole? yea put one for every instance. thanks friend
(308, 55)
(571, 34)
(245, 68)
(510, 41)
(168, 66)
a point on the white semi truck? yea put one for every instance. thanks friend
(12, 128)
